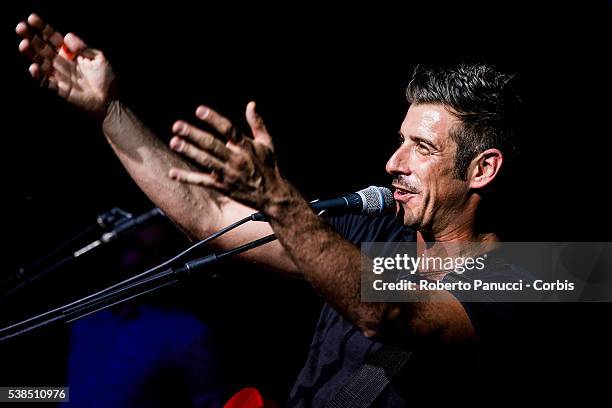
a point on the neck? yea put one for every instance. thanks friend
(458, 240)
(456, 245)
(456, 234)
(459, 225)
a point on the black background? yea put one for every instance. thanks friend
(330, 84)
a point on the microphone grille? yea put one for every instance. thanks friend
(376, 200)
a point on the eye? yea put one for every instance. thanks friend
(422, 148)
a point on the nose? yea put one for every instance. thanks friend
(399, 162)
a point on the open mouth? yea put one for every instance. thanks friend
(401, 194)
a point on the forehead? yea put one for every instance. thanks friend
(428, 121)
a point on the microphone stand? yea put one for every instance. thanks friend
(133, 287)
(167, 277)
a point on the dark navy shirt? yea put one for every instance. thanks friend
(339, 349)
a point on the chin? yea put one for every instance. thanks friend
(412, 224)
(406, 219)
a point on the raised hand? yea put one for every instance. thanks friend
(79, 74)
(241, 167)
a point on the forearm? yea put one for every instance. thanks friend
(330, 263)
(147, 160)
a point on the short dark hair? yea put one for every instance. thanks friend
(484, 99)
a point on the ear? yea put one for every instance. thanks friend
(485, 167)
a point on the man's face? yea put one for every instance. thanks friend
(429, 195)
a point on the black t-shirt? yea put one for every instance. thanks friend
(339, 349)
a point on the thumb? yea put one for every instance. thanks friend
(257, 125)
(74, 43)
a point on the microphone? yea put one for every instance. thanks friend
(370, 200)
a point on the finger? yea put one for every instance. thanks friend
(35, 21)
(47, 32)
(42, 49)
(66, 53)
(201, 139)
(197, 178)
(258, 127)
(35, 71)
(46, 67)
(52, 37)
(75, 44)
(218, 122)
(196, 154)
(22, 30)
(26, 49)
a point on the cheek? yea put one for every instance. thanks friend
(429, 177)
(451, 192)
(439, 184)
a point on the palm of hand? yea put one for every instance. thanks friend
(85, 82)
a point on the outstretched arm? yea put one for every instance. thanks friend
(84, 77)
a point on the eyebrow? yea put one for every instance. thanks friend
(418, 139)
